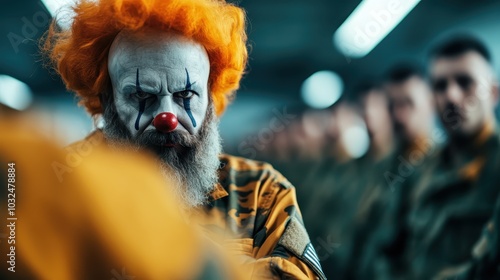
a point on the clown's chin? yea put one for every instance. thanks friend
(195, 165)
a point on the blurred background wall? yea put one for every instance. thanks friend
(289, 41)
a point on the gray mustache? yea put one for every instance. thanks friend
(159, 139)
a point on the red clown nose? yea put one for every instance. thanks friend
(165, 122)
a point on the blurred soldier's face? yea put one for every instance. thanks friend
(154, 74)
(465, 92)
(411, 107)
(376, 115)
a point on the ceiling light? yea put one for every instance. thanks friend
(369, 24)
(14, 93)
(64, 16)
(322, 89)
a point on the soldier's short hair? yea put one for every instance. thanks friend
(365, 87)
(403, 71)
(460, 44)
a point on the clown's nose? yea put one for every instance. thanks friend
(165, 122)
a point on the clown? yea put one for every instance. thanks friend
(161, 74)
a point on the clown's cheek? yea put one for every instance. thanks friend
(128, 116)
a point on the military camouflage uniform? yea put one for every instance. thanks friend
(485, 260)
(486, 263)
(345, 203)
(383, 248)
(369, 198)
(450, 204)
(441, 214)
(256, 206)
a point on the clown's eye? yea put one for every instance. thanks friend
(141, 95)
(186, 94)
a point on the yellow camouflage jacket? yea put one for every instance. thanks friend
(257, 208)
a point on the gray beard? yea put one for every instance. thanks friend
(193, 167)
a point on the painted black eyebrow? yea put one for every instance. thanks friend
(137, 83)
(187, 101)
(188, 81)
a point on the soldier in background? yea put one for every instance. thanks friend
(453, 200)
(374, 106)
(412, 112)
(412, 108)
(324, 186)
(348, 210)
(454, 195)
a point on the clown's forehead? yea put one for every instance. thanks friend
(157, 51)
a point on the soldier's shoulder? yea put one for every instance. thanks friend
(252, 170)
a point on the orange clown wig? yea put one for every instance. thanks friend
(81, 53)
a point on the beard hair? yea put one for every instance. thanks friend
(192, 165)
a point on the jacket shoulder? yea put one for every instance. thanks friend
(242, 171)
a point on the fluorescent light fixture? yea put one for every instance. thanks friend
(53, 6)
(322, 89)
(369, 24)
(65, 15)
(14, 93)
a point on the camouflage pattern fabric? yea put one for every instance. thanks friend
(257, 208)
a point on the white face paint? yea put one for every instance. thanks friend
(153, 67)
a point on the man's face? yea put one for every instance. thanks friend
(411, 107)
(152, 73)
(465, 92)
(375, 111)
(162, 71)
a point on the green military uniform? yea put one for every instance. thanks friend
(450, 204)
(368, 204)
(437, 215)
(485, 260)
(378, 216)
(319, 190)
(345, 203)
(486, 264)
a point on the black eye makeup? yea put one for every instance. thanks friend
(187, 100)
(185, 94)
(142, 97)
